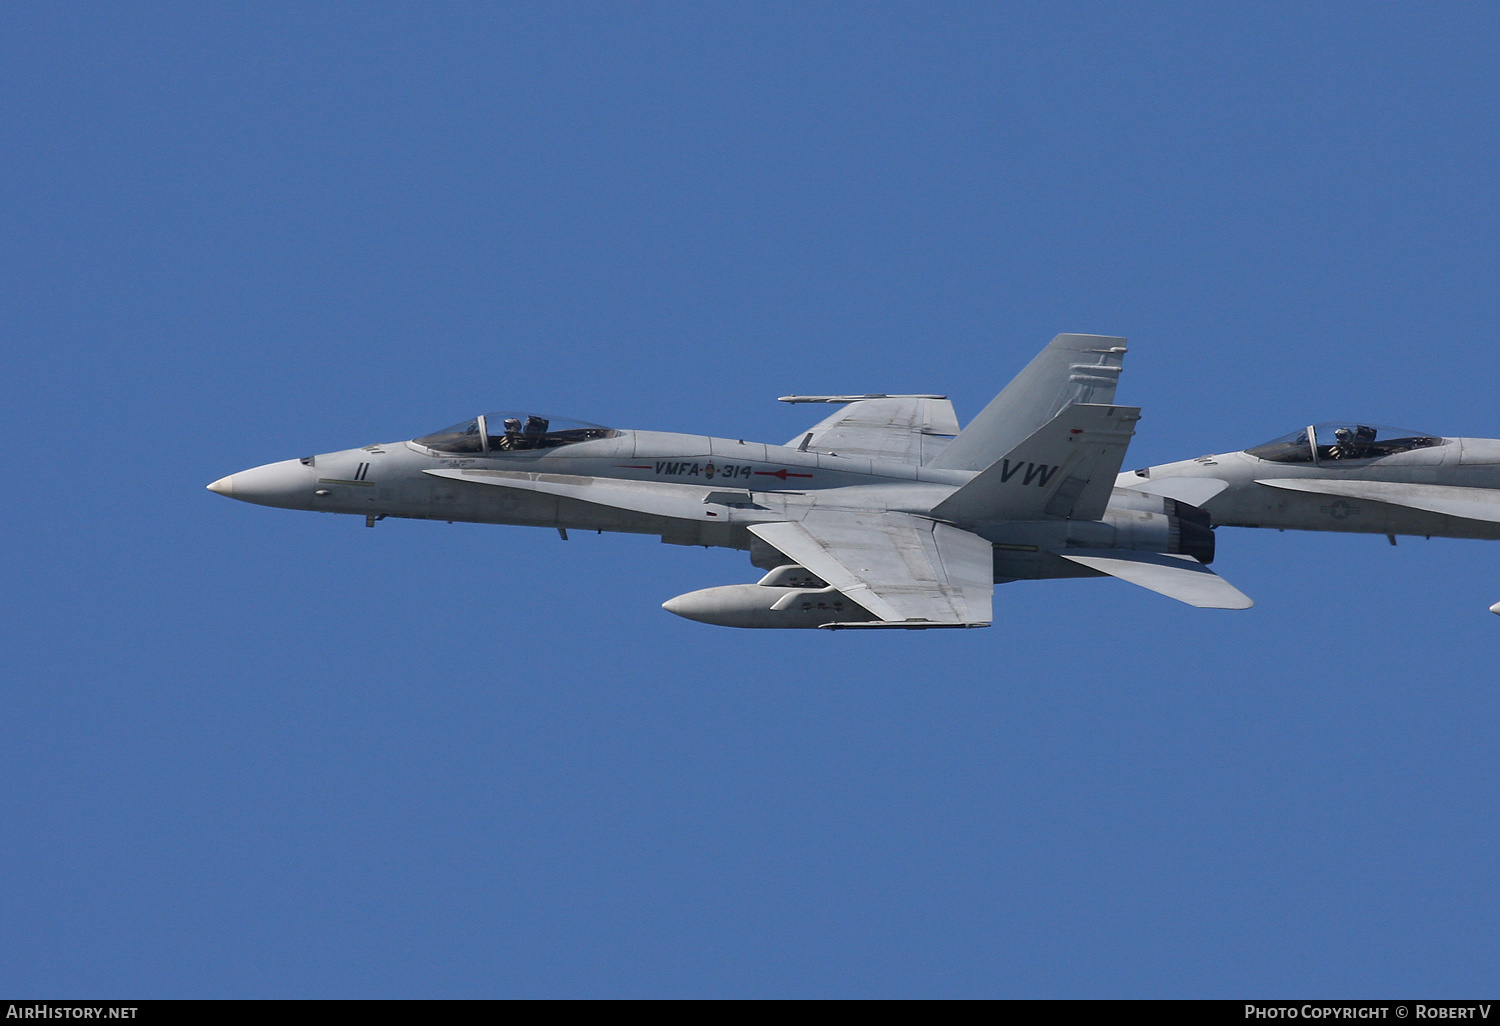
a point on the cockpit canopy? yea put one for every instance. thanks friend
(509, 431)
(1340, 440)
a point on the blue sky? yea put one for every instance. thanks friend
(251, 752)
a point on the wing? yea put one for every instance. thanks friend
(906, 428)
(1452, 501)
(908, 571)
(1195, 491)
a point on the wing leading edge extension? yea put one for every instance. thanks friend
(1449, 500)
(909, 571)
(655, 498)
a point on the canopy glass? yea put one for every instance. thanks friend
(1342, 440)
(511, 431)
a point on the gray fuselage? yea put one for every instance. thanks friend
(1453, 463)
(687, 489)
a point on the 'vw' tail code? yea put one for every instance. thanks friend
(1041, 473)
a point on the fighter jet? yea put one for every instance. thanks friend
(882, 515)
(1343, 476)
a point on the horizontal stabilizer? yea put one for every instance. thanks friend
(898, 625)
(1180, 577)
(1466, 503)
(1194, 491)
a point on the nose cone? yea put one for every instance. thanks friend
(288, 484)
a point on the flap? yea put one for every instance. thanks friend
(906, 570)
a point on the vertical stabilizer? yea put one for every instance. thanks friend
(1072, 369)
(1065, 470)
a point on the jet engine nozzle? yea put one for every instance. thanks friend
(1195, 535)
(1154, 524)
(765, 606)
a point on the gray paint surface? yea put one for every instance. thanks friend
(895, 517)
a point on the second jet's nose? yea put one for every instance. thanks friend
(288, 484)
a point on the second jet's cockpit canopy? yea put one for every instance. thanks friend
(1339, 440)
(512, 432)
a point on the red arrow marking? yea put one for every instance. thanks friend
(783, 474)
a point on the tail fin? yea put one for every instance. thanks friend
(1072, 369)
(1064, 470)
